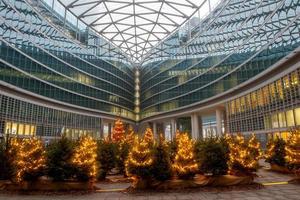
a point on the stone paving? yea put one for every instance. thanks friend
(272, 192)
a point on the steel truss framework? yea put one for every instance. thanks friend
(135, 26)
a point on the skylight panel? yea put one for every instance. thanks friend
(139, 25)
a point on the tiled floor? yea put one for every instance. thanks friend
(275, 192)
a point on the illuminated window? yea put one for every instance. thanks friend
(297, 116)
(279, 89)
(282, 120)
(294, 78)
(275, 121)
(27, 130)
(286, 82)
(290, 118)
(232, 107)
(272, 90)
(20, 128)
(266, 95)
(254, 99)
(260, 98)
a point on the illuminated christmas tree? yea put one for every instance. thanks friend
(130, 136)
(185, 164)
(85, 158)
(148, 135)
(140, 159)
(293, 151)
(118, 132)
(243, 154)
(27, 157)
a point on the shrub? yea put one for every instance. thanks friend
(212, 156)
(275, 153)
(5, 169)
(106, 157)
(162, 163)
(122, 151)
(84, 159)
(27, 159)
(59, 154)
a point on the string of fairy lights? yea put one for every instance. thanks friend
(28, 155)
(243, 153)
(85, 155)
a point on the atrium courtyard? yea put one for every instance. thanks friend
(150, 99)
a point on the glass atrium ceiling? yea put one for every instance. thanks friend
(137, 26)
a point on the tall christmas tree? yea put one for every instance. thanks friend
(140, 159)
(292, 149)
(162, 163)
(243, 154)
(118, 132)
(148, 135)
(85, 158)
(27, 157)
(185, 164)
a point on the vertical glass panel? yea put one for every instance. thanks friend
(290, 118)
(27, 129)
(14, 128)
(282, 120)
(297, 116)
(275, 121)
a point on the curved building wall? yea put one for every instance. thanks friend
(43, 61)
(245, 39)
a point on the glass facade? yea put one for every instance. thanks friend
(51, 54)
(273, 107)
(245, 39)
(37, 57)
(22, 118)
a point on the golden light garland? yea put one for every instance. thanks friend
(148, 135)
(130, 136)
(27, 156)
(140, 155)
(184, 162)
(270, 150)
(118, 132)
(243, 153)
(292, 148)
(85, 155)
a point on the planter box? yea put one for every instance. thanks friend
(197, 182)
(47, 185)
(281, 169)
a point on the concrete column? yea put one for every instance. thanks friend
(195, 126)
(154, 129)
(109, 130)
(219, 117)
(173, 128)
